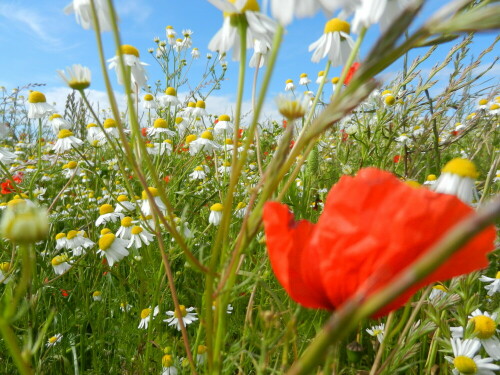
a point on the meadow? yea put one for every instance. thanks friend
(353, 234)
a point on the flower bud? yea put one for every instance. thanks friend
(24, 223)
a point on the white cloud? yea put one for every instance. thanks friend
(31, 22)
(137, 10)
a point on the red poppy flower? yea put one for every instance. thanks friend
(373, 226)
(144, 132)
(396, 158)
(350, 73)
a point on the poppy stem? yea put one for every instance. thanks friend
(346, 319)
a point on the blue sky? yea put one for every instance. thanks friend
(37, 39)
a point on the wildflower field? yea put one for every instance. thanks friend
(351, 231)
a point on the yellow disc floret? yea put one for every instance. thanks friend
(127, 49)
(36, 97)
(122, 198)
(431, 177)
(224, 118)
(160, 123)
(200, 104)
(60, 235)
(105, 231)
(145, 313)
(183, 312)
(465, 365)
(55, 115)
(72, 234)
(5, 267)
(109, 123)
(106, 209)
(207, 135)
(56, 261)
(337, 25)
(167, 360)
(148, 97)
(483, 101)
(484, 326)
(170, 91)
(461, 167)
(335, 80)
(390, 100)
(136, 230)
(64, 133)
(91, 125)
(154, 192)
(217, 207)
(106, 241)
(72, 164)
(190, 138)
(126, 221)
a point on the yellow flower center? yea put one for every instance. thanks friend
(96, 293)
(202, 349)
(377, 332)
(431, 177)
(190, 138)
(494, 107)
(106, 241)
(36, 97)
(483, 101)
(241, 205)
(183, 312)
(136, 230)
(335, 80)
(217, 207)
(152, 190)
(91, 125)
(4, 266)
(105, 231)
(60, 235)
(289, 81)
(122, 198)
(471, 116)
(59, 260)
(106, 209)
(167, 360)
(440, 287)
(465, 365)
(461, 167)
(160, 123)
(390, 100)
(200, 104)
(148, 97)
(198, 168)
(291, 109)
(498, 275)
(53, 339)
(303, 75)
(178, 120)
(207, 135)
(72, 234)
(228, 141)
(412, 183)
(337, 25)
(55, 115)
(145, 313)
(191, 104)
(126, 221)
(224, 118)
(109, 123)
(64, 133)
(72, 164)
(127, 49)
(171, 91)
(484, 326)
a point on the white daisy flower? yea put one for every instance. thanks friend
(223, 125)
(304, 79)
(97, 296)
(113, 248)
(160, 127)
(54, 340)
(38, 106)
(66, 141)
(146, 207)
(125, 230)
(261, 49)
(138, 237)
(60, 264)
(483, 104)
(131, 58)
(198, 173)
(404, 139)
(57, 122)
(146, 316)
(187, 316)
(167, 364)
(370, 12)
(124, 204)
(457, 178)
(494, 286)
(199, 109)
(336, 43)
(485, 329)
(466, 361)
(83, 13)
(205, 143)
(7, 157)
(215, 216)
(169, 30)
(195, 53)
(260, 26)
(170, 98)
(77, 77)
(377, 331)
(321, 77)
(61, 241)
(108, 214)
(148, 102)
(77, 242)
(289, 86)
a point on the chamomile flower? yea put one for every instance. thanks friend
(457, 178)
(170, 98)
(94, 134)
(38, 106)
(7, 157)
(61, 241)
(83, 13)
(494, 283)
(113, 248)
(76, 76)
(149, 102)
(146, 207)
(71, 168)
(404, 140)
(57, 123)
(195, 53)
(139, 236)
(97, 296)
(54, 340)
(146, 316)
(438, 291)
(5, 272)
(483, 104)
(60, 264)
(77, 242)
(125, 230)
(377, 331)
(66, 141)
(336, 43)
(485, 329)
(205, 143)
(304, 79)
(167, 364)
(131, 59)
(430, 180)
(181, 125)
(201, 354)
(110, 128)
(160, 127)
(200, 109)
(261, 49)
(320, 77)
(198, 173)
(224, 125)
(108, 214)
(241, 210)
(289, 85)
(186, 314)
(465, 360)
(215, 216)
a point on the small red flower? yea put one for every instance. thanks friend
(350, 73)
(373, 226)
(166, 179)
(285, 123)
(144, 132)
(292, 143)
(64, 292)
(240, 133)
(455, 133)
(345, 136)
(396, 158)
